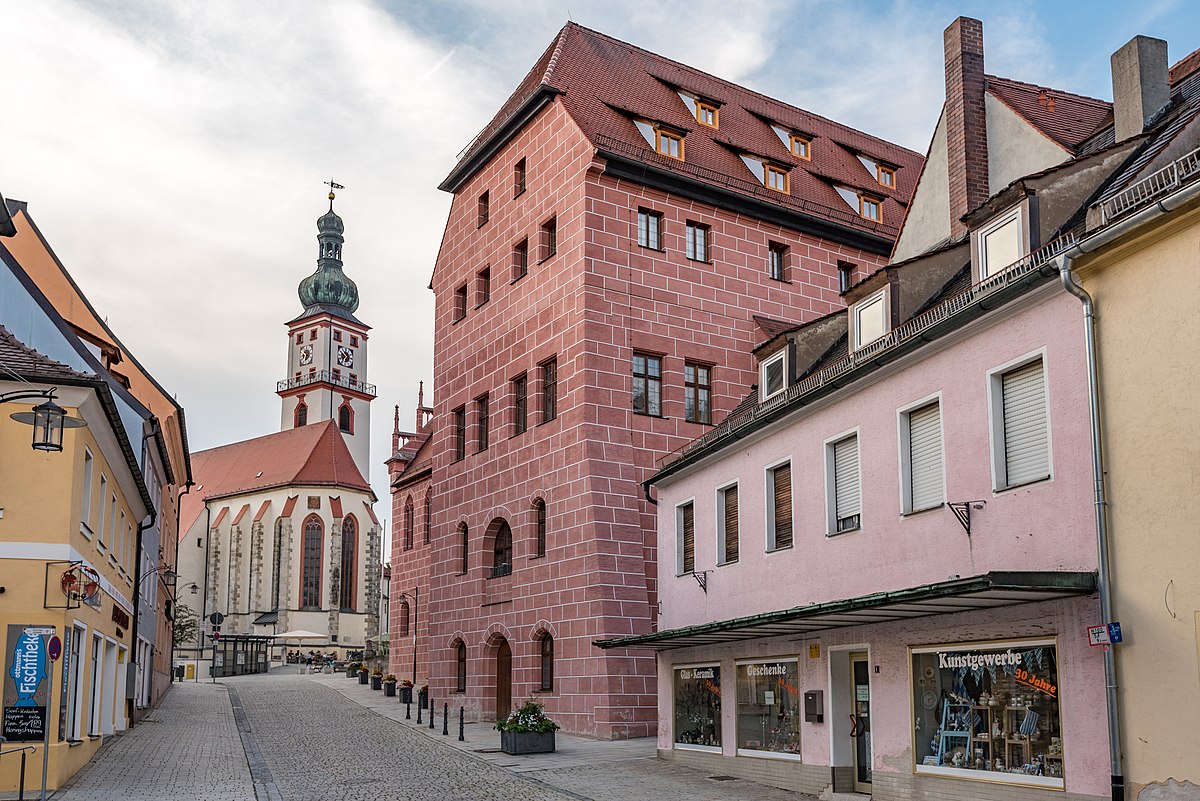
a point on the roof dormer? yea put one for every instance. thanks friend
(665, 140)
(705, 111)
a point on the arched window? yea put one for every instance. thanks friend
(540, 508)
(408, 523)
(277, 564)
(502, 551)
(301, 414)
(349, 563)
(547, 662)
(464, 553)
(310, 563)
(428, 515)
(403, 622)
(346, 418)
(461, 657)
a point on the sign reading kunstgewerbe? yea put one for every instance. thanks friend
(26, 684)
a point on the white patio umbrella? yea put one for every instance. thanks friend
(299, 635)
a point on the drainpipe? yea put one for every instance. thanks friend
(187, 488)
(1100, 239)
(137, 609)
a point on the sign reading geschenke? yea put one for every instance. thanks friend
(26, 683)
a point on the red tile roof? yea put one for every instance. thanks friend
(604, 83)
(1185, 67)
(312, 455)
(1065, 118)
(773, 328)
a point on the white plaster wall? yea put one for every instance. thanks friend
(1015, 148)
(928, 220)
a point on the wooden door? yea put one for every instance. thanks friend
(503, 680)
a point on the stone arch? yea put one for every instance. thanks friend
(543, 626)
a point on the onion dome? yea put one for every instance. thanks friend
(329, 286)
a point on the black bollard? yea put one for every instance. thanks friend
(419, 721)
(408, 710)
(461, 738)
(431, 713)
(445, 720)
(21, 796)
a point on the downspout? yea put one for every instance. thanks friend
(137, 609)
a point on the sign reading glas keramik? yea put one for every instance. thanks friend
(26, 683)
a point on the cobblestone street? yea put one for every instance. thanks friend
(298, 738)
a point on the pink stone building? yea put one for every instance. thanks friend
(622, 234)
(877, 576)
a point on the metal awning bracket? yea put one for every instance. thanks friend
(701, 577)
(962, 511)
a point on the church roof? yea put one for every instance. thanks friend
(312, 455)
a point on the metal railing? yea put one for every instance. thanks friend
(1170, 177)
(910, 330)
(328, 377)
(745, 186)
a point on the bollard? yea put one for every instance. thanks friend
(445, 720)
(408, 710)
(461, 737)
(431, 712)
(21, 795)
(419, 708)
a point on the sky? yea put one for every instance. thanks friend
(173, 153)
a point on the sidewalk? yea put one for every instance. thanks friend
(483, 740)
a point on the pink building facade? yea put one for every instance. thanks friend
(597, 302)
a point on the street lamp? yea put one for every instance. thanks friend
(48, 419)
(415, 595)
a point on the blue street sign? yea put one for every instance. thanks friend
(1114, 632)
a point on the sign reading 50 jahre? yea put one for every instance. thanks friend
(26, 685)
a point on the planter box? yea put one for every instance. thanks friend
(527, 742)
(351, 674)
(363, 677)
(389, 689)
(376, 682)
(406, 695)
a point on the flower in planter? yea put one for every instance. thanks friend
(389, 678)
(363, 669)
(528, 717)
(377, 672)
(407, 683)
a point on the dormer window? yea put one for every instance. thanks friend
(669, 143)
(773, 375)
(801, 146)
(776, 178)
(882, 173)
(867, 206)
(706, 114)
(1000, 244)
(869, 319)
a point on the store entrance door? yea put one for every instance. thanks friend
(860, 731)
(503, 680)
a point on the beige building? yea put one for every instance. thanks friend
(1138, 261)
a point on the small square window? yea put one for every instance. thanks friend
(845, 273)
(869, 208)
(549, 238)
(669, 143)
(483, 286)
(299, 337)
(519, 178)
(777, 261)
(353, 341)
(312, 335)
(337, 336)
(706, 114)
(460, 303)
(520, 260)
(773, 378)
(697, 241)
(1001, 244)
(484, 209)
(775, 178)
(650, 229)
(801, 146)
(870, 317)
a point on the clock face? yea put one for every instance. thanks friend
(345, 357)
(306, 354)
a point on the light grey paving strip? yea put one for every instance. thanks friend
(265, 788)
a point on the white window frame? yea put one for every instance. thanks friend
(85, 512)
(995, 396)
(103, 508)
(831, 518)
(769, 504)
(679, 571)
(905, 457)
(781, 356)
(883, 296)
(979, 252)
(719, 505)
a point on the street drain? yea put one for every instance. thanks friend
(723, 778)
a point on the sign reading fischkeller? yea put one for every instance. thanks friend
(26, 683)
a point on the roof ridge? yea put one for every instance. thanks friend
(1094, 100)
(311, 427)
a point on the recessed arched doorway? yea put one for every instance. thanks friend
(503, 680)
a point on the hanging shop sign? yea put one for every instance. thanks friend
(80, 583)
(26, 683)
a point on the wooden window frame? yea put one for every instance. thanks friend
(770, 170)
(882, 170)
(800, 146)
(702, 106)
(863, 201)
(661, 134)
(780, 249)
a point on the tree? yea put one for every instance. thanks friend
(184, 629)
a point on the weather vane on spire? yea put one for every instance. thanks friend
(332, 184)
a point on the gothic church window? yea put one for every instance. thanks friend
(349, 563)
(310, 563)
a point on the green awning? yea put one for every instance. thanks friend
(986, 591)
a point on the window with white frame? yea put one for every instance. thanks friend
(85, 514)
(1020, 425)
(650, 229)
(103, 500)
(845, 485)
(1000, 244)
(922, 477)
(870, 318)
(779, 506)
(685, 538)
(727, 524)
(773, 374)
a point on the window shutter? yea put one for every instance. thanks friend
(730, 495)
(1026, 451)
(782, 476)
(925, 457)
(847, 494)
(689, 538)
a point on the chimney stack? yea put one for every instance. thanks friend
(1141, 87)
(966, 119)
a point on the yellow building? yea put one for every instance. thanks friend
(68, 527)
(1140, 263)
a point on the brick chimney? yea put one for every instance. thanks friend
(1141, 87)
(966, 119)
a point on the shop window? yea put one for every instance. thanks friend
(697, 707)
(989, 711)
(768, 707)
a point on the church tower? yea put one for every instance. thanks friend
(327, 351)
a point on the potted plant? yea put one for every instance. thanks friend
(389, 685)
(423, 696)
(406, 690)
(363, 674)
(352, 670)
(377, 679)
(527, 731)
